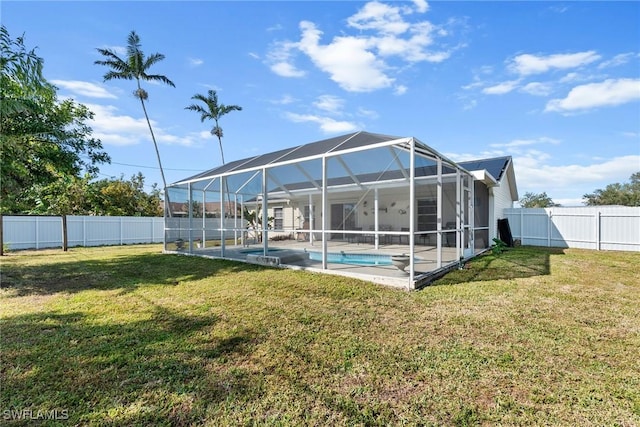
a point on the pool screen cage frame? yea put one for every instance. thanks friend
(388, 193)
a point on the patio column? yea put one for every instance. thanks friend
(311, 220)
(459, 212)
(439, 215)
(376, 217)
(412, 214)
(204, 219)
(242, 218)
(265, 214)
(189, 190)
(324, 212)
(222, 213)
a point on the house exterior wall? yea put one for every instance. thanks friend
(500, 199)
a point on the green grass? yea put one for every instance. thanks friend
(129, 336)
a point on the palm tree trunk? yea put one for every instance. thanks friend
(167, 203)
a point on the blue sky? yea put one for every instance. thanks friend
(556, 85)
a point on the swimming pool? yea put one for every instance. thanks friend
(352, 258)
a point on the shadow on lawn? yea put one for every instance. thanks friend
(119, 272)
(520, 262)
(163, 369)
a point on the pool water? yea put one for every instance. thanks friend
(352, 258)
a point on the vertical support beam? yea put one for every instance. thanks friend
(439, 215)
(235, 219)
(221, 228)
(204, 219)
(242, 218)
(1, 236)
(376, 217)
(265, 214)
(311, 220)
(459, 214)
(324, 212)
(472, 213)
(412, 214)
(190, 216)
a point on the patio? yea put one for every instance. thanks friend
(362, 193)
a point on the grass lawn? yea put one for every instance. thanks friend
(129, 336)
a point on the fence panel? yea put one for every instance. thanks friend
(589, 227)
(38, 232)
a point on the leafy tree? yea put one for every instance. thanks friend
(212, 111)
(625, 194)
(42, 140)
(537, 200)
(111, 197)
(135, 66)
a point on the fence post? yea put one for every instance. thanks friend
(65, 241)
(549, 228)
(521, 226)
(598, 216)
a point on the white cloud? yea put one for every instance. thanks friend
(379, 17)
(254, 55)
(400, 90)
(370, 114)
(286, 69)
(347, 59)
(537, 88)
(610, 92)
(617, 60)
(78, 87)
(526, 142)
(194, 62)
(533, 174)
(562, 182)
(280, 60)
(329, 103)
(421, 5)
(360, 63)
(501, 88)
(527, 64)
(284, 100)
(121, 130)
(327, 124)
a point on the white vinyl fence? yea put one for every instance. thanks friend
(38, 232)
(615, 228)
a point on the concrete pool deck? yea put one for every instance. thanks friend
(425, 263)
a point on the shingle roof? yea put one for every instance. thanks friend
(495, 166)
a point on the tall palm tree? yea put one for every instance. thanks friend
(135, 66)
(212, 111)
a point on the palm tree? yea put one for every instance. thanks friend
(212, 111)
(135, 67)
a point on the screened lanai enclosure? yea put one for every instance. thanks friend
(385, 209)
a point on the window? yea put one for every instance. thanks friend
(278, 219)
